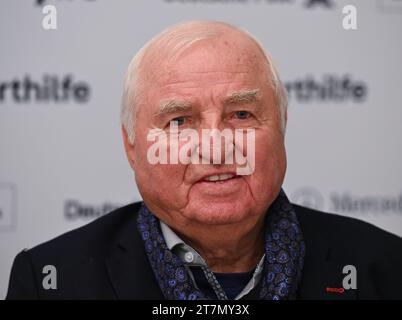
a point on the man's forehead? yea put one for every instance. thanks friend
(205, 60)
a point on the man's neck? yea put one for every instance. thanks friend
(229, 248)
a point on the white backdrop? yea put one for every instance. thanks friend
(62, 162)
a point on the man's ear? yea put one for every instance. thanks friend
(129, 148)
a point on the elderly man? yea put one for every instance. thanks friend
(207, 229)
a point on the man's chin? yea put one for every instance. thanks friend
(218, 213)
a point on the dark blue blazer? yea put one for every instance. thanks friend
(106, 260)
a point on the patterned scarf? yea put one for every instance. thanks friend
(283, 264)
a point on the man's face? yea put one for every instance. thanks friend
(207, 76)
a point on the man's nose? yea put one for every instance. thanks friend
(216, 142)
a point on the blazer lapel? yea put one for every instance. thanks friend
(128, 267)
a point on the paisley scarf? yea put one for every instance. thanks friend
(283, 263)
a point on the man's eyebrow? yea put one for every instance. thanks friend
(242, 96)
(172, 106)
(237, 97)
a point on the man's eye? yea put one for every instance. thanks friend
(179, 120)
(242, 115)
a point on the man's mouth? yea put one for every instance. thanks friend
(220, 184)
(219, 177)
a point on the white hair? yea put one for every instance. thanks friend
(171, 43)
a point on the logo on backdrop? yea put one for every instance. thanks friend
(308, 197)
(307, 4)
(50, 88)
(75, 210)
(329, 88)
(345, 202)
(43, 2)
